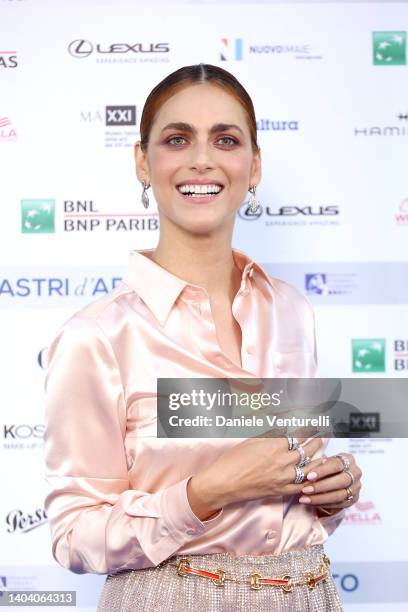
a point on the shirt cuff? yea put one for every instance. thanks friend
(178, 511)
(331, 522)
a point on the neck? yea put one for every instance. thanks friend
(203, 260)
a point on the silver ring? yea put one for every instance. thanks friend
(302, 452)
(290, 442)
(304, 461)
(345, 461)
(300, 475)
(353, 480)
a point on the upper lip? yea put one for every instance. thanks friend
(200, 182)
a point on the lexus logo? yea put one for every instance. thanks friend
(80, 48)
(246, 214)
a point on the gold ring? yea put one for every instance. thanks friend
(350, 495)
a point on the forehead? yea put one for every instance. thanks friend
(201, 104)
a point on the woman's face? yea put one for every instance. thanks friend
(199, 158)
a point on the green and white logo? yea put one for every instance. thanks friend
(389, 48)
(368, 355)
(38, 216)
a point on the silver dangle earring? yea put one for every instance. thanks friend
(253, 204)
(145, 197)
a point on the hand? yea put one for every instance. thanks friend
(329, 488)
(254, 468)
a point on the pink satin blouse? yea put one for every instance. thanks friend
(117, 494)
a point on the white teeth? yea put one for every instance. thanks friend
(200, 189)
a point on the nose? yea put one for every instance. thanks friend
(201, 158)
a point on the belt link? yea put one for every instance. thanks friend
(255, 581)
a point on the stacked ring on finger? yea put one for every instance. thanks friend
(300, 475)
(304, 460)
(292, 443)
(352, 479)
(345, 461)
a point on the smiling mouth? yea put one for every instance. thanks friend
(200, 191)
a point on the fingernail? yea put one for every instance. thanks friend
(323, 459)
(312, 476)
(308, 490)
(304, 500)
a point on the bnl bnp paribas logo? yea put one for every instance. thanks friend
(38, 216)
(368, 355)
(389, 48)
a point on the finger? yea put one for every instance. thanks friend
(330, 483)
(294, 456)
(333, 465)
(334, 497)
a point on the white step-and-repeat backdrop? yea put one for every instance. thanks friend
(330, 88)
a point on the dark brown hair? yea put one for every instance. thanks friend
(190, 75)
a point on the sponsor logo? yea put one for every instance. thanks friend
(231, 49)
(38, 216)
(401, 355)
(42, 358)
(56, 287)
(18, 521)
(235, 49)
(368, 355)
(17, 582)
(386, 129)
(85, 216)
(320, 283)
(362, 513)
(389, 48)
(8, 59)
(364, 422)
(292, 215)
(120, 52)
(118, 121)
(23, 436)
(7, 132)
(346, 582)
(277, 126)
(401, 217)
(120, 115)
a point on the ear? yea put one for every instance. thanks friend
(256, 169)
(142, 166)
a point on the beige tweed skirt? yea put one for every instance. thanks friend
(162, 589)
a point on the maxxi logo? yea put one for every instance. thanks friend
(120, 115)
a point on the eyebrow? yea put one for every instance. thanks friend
(186, 127)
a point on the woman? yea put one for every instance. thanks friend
(190, 524)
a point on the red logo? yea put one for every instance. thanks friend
(362, 513)
(7, 132)
(401, 217)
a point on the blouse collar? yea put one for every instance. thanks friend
(159, 288)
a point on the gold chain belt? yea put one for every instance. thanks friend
(255, 580)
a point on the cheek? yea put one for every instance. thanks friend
(162, 165)
(239, 169)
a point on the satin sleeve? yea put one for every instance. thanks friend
(329, 522)
(98, 523)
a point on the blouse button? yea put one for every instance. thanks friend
(250, 348)
(271, 535)
(191, 532)
(164, 531)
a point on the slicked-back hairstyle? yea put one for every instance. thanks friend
(194, 75)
